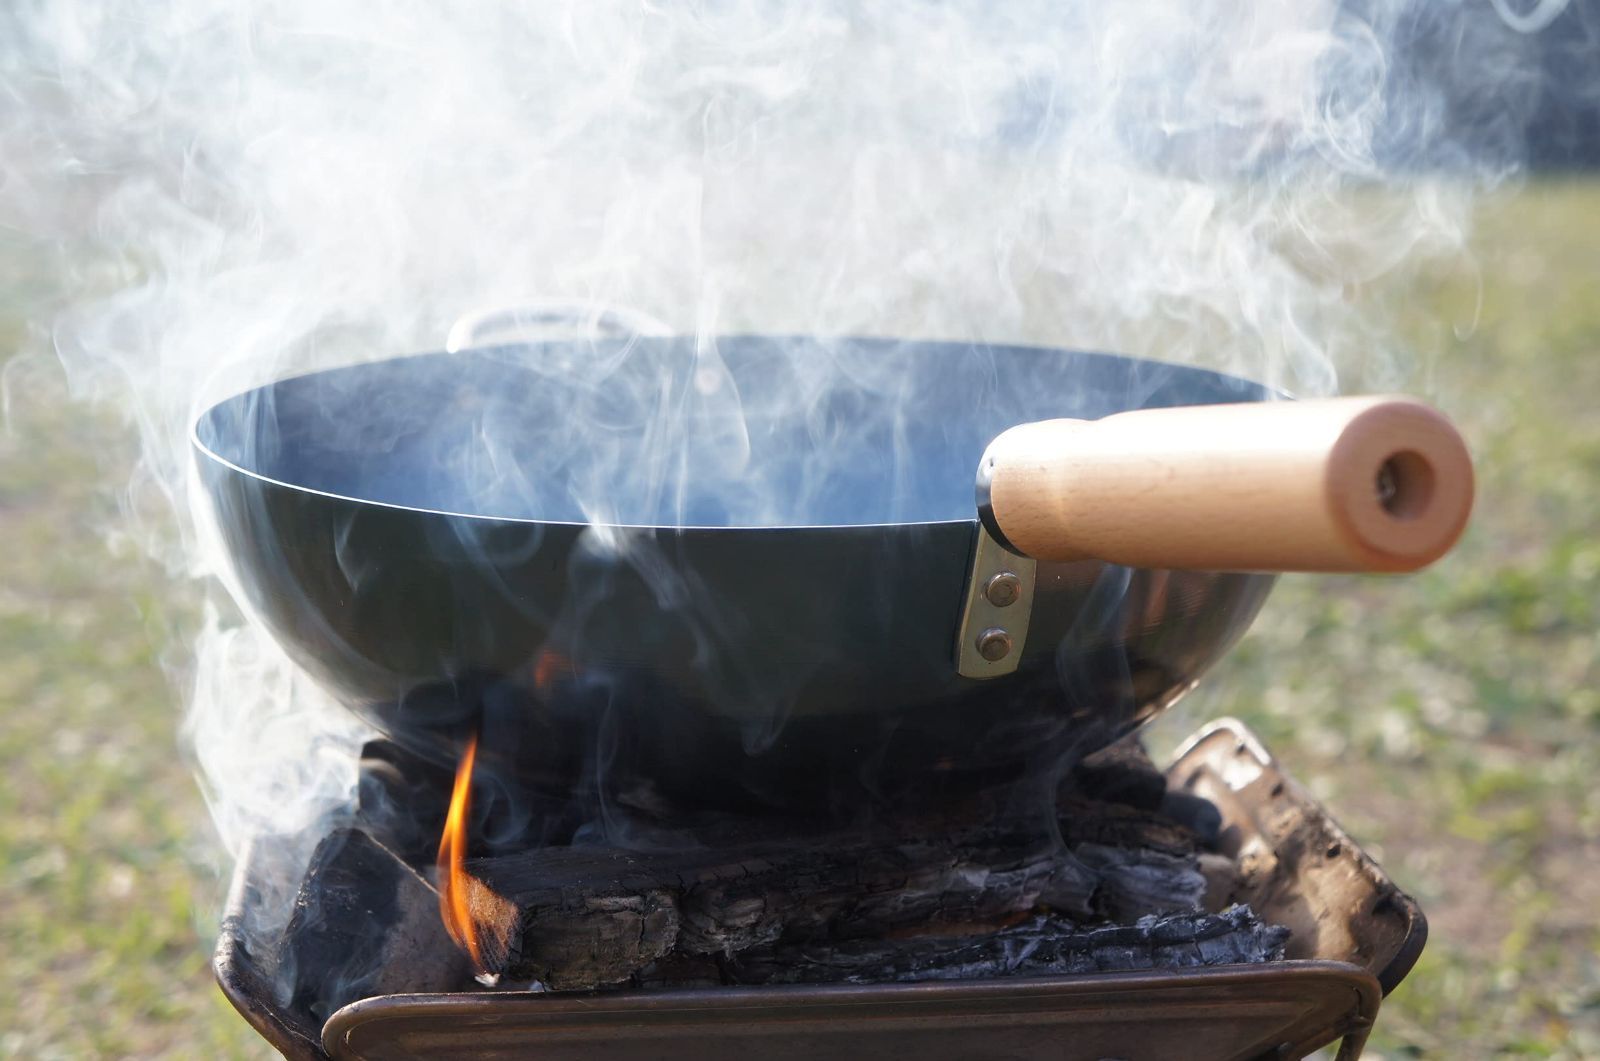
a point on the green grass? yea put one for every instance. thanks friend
(1450, 720)
(109, 878)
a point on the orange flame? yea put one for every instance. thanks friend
(453, 906)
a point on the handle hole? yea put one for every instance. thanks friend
(1404, 485)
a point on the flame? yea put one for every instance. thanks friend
(453, 907)
(548, 666)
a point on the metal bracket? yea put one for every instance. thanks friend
(994, 619)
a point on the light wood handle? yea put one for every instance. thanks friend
(1337, 484)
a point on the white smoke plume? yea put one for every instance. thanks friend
(229, 193)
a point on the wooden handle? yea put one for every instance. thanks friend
(1338, 484)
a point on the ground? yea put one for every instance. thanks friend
(1448, 719)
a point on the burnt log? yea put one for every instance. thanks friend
(584, 917)
(1085, 821)
(995, 884)
(1137, 882)
(1041, 946)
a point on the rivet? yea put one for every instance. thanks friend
(1003, 589)
(994, 644)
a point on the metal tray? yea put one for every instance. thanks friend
(1356, 936)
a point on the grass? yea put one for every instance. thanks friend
(1450, 719)
(109, 881)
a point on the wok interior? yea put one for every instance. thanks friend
(730, 432)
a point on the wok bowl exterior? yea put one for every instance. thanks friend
(773, 659)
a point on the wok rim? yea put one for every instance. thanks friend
(1268, 393)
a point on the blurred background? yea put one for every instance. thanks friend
(1449, 720)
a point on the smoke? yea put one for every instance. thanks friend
(226, 194)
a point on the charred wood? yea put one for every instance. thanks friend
(1136, 882)
(1116, 825)
(1041, 946)
(364, 924)
(583, 917)
(1196, 813)
(1123, 773)
(987, 884)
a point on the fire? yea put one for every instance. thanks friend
(548, 666)
(453, 906)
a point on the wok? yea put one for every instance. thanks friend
(758, 559)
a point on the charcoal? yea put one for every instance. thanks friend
(1115, 825)
(364, 924)
(681, 971)
(1122, 773)
(1136, 882)
(600, 940)
(699, 897)
(1198, 815)
(728, 900)
(1041, 946)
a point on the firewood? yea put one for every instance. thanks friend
(583, 917)
(1041, 946)
(698, 897)
(1117, 825)
(1137, 882)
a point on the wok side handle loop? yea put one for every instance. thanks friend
(543, 319)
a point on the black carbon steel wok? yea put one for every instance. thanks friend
(769, 598)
